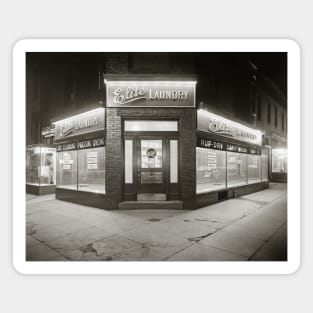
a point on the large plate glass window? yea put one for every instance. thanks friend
(91, 166)
(67, 169)
(264, 158)
(32, 165)
(211, 170)
(236, 169)
(254, 168)
(40, 166)
(279, 160)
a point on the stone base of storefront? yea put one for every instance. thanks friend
(85, 198)
(40, 190)
(279, 177)
(234, 192)
(150, 205)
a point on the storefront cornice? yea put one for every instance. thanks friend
(80, 111)
(219, 125)
(227, 115)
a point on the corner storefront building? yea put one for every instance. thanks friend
(151, 147)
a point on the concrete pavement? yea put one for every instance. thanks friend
(253, 227)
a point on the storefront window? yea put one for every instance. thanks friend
(279, 160)
(150, 125)
(67, 169)
(254, 168)
(40, 166)
(91, 175)
(236, 169)
(211, 170)
(128, 161)
(264, 158)
(32, 165)
(173, 161)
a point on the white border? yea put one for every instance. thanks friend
(155, 45)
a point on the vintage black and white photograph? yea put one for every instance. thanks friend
(156, 156)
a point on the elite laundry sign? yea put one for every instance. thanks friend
(79, 124)
(218, 125)
(150, 93)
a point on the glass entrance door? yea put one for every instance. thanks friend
(151, 169)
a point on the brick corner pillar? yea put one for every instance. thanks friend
(113, 157)
(188, 159)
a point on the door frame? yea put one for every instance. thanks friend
(158, 188)
(172, 190)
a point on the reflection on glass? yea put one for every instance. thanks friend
(254, 168)
(173, 161)
(211, 170)
(91, 165)
(236, 169)
(128, 161)
(264, 158)
(48, 165)
(32, 165)
(67, 169)
(279, 160)
(151, 153)
(40, 166)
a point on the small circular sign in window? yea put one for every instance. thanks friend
(151, 153)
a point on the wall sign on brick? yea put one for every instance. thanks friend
(150, 93)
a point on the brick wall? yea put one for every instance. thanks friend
(113, 158)
(117, 63)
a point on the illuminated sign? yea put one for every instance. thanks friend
(212, 123)
(48, 132)
(76, 125)
(150, 93)
(83, 144)
(224, 146)
(92, 143)
(67, 146)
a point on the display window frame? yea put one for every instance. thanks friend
(206, 141)
(76, 146)
(42, 163)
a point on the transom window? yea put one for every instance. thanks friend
(150, 125)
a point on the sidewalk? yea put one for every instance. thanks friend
(253, 227)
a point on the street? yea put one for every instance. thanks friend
(248, 228)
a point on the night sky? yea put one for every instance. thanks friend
(274, 66)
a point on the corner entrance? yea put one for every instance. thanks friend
(151, 160)
(151, 168)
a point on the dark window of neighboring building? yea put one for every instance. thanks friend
(252, 106)
(259, 108)
(275, 117)
(269, 113)
(282, 122)
(213, 83)
(267, 141)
